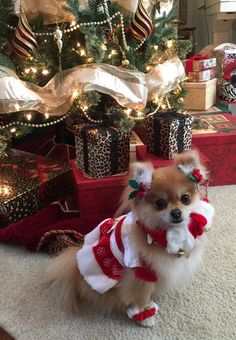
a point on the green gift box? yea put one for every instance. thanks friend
(28, 183)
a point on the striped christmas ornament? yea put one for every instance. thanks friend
(24, 42)
(141, 25)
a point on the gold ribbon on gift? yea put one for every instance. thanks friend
(129, 88)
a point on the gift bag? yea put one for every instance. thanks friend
(101, 151)
(168, 133)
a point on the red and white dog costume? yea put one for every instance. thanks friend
(110, 247)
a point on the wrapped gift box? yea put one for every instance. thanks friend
(204, 64)
(168, 133)
(226, 91)
(218, 142)
(200, 96)
(28, 183)
(226, 56)
(199, 63)
(101, 151)
(201, 75)
(97, 196)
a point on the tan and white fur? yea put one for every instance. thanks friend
(167, 187)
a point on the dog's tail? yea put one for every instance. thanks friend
(63, 276)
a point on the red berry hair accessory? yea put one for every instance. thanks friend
(140, 189)
(193, 174)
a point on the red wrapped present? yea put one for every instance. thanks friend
(218, 142)
(97, 196)
(53, 228)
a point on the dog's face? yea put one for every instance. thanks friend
(171, 197)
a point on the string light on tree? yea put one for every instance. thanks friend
(29, 116)
(128, 111)
(5, 190)
(45, 72)
(34, 70)
(82, 52)
(116, 53)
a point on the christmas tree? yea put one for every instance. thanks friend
(107, 62)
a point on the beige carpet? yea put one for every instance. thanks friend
(205, 309)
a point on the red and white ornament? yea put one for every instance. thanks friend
(141, 25)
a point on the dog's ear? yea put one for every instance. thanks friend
(189, 160)
(141, 172)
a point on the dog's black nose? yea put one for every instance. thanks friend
(176, 214)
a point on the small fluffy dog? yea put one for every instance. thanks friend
(126, 262)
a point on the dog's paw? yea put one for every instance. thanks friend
(131, 312)
(145, 317)
(149, 322)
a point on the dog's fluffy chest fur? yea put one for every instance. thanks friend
(172, 271)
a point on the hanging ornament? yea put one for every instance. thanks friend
(180, 100)
(24, 42)
(106, 11)
(58, 36)
(141, 25)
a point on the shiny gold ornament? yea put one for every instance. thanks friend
(169, 43)
(125, 62)
(180, 100)
(177, 91)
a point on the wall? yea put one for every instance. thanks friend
(203, 33)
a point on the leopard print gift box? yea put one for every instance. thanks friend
(101, 151)
(168, 133)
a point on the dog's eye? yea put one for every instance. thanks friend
(161, 204)
(185, 199)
